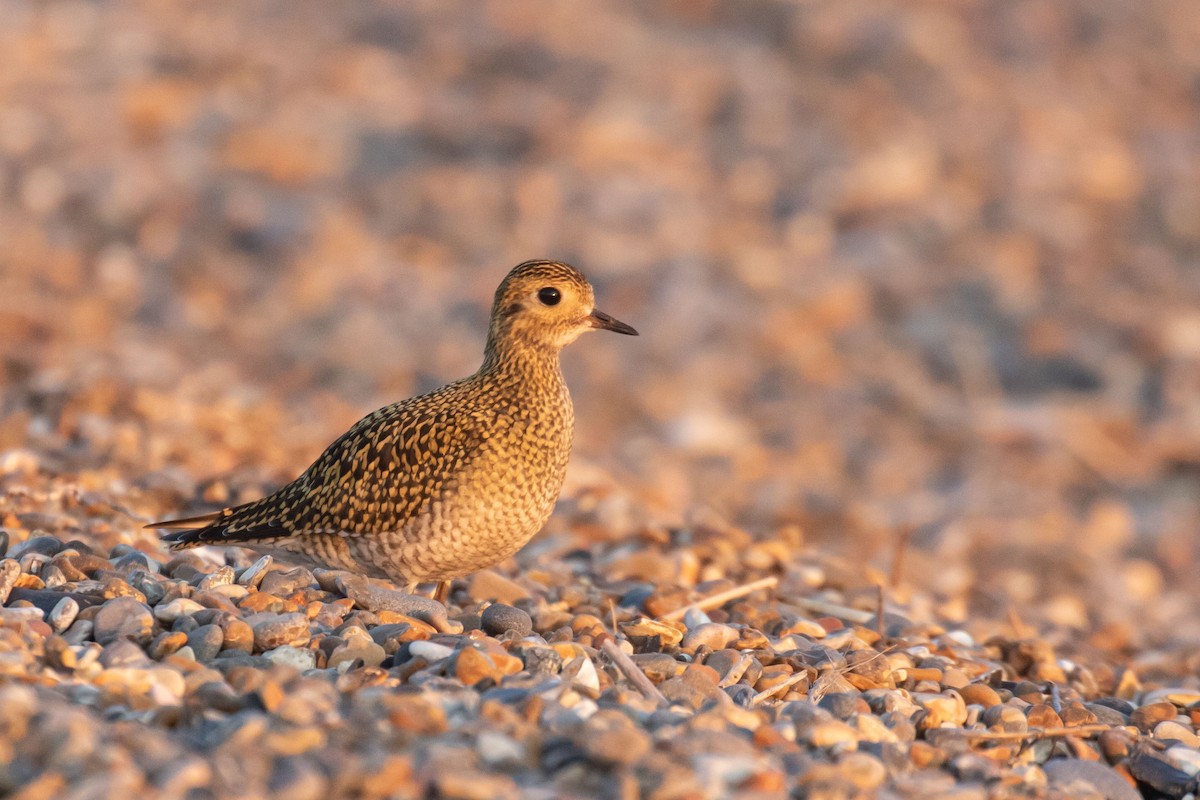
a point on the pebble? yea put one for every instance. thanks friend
(252, 575)
(206, 642)
(63, 614)
(173, 610)
(1145, 717)
(712, 635)
(123, 617)
(10, 570)
(297, 657)
(500, 618)
(275, 630)
(430, 651)
(1185, 757)
(1170, 729)
(282, 583)
(610, 737)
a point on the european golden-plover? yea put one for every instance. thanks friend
(447, 483)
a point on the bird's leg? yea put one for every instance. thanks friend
(441, 591)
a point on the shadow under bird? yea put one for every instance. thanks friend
(447, 483)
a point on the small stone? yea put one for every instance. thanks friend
(123, 617)
(275, 630)
(63, 614)
(1076, 713)
(10, 570)
(941, 710)
(38, 545)
(713, 635)
(1177, 696)
(540, 660)
(220, 577)
(298, 657)
(1185, 757)
(866, 772)
(1159, 773)
(657, 666)
(1115, 744)
(429, 651)
(582, 671)
(392, 635)
(1041, 715)
(979, 694)
(610, 737)
(1107, 716)
(500, 618)
(166, 644)
(206, 642)
(20, 615)
(843, 705)
(646, 627)
(359, 648)
(1147, 716)
(122, 653)
(237, 635)
(173, 610)
(828, 733)
(472, 666)
(253, 574)
(1170, 729)
(499, 750)
(282, 584)
(1100, 778)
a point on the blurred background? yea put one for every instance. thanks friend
(924, 269)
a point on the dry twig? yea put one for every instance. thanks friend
(1033, 733)
(777, 688)
(736, 671)
(720, 598)
(631, 671)
(812, 605)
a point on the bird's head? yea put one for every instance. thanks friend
(547, 304)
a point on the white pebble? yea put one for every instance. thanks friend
(299, 657)
(179, 607)
(430, 651)
(63, 614)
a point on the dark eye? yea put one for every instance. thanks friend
(549, 296)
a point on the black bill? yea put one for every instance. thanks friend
(599, 319)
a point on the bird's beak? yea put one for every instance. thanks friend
(598, 319)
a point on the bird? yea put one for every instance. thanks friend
(444, 484)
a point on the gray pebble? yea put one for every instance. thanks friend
(499, 618)
(1065, 772)
(122, 653)
(281, 584)
(43, 545)
(123, 616)
(206, 641)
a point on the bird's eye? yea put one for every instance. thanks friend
(549, 296)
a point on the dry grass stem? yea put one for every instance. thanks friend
(632, 672)
(720, 598)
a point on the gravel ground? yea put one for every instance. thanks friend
(920, 309)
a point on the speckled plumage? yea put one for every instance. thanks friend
(443, 484)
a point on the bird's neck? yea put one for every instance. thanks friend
(523, 365)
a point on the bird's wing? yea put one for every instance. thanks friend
(376, 476)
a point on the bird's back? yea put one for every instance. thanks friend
(429, 487)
